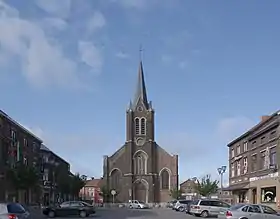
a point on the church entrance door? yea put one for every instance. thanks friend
(141, 191)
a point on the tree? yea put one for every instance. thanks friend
(206, 186)
(24, 177)
(76, 184)
(175, 193)
(62, 180)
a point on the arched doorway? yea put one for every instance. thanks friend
(140, 189)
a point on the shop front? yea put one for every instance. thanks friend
(265, 190)
(240, 192)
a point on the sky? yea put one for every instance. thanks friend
(68, 69)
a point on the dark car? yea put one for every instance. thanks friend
(13, 211)
(71, 208)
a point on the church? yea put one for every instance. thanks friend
(141, 169)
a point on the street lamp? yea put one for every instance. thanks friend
(221, 171)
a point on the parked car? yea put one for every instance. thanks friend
(188, 207)
(137, 204)
(208, 207)
(171, 204)
(70, 208)
(13, 211)
(251, 212)
(181, 205)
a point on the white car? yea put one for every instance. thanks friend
(137, 204)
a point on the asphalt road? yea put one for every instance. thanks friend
(124, 213)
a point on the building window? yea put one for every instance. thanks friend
(238, 149)
(238, 168)
(245, 146)
(273, 158)
(232, 152)
(254, 163)
(25, 162)
(272, 135)
(263, 140)
(164, 179)
(140, 163)
(143, 126)
(232, 170)
(115, 177)
(262, 161)
(254, 144)
(137, 126)
(268, 194)
(25, 142)
(46, 175)
(245, 165)
(13, 135)
(34, 145)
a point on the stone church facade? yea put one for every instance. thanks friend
(141, 169)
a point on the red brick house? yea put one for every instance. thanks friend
(91, 191)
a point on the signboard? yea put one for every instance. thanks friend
(113, 192)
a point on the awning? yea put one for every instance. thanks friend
(239, 186)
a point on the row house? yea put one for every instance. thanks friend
(52, 164)
(92, 191)
(17, 145)
(254, 161)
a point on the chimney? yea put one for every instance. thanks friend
(264, 118)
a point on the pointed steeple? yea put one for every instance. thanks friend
(141, 92)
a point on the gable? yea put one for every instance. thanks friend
(117, 154)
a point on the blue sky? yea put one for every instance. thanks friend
(68, 69)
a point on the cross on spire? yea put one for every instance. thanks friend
(141, 52)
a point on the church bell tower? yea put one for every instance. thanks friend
(140, 114)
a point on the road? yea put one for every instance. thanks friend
(124, 213)
(141, 214)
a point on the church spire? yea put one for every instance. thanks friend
(141, 92)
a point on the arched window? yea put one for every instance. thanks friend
(137, 126)
(165, 179)
(140, 163)
(115, 179)
(143, 126)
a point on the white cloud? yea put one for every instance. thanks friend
(122, 55)
(97, 21)
(56, 23)
(41, 58)
(91, 56)
(59, 8)
(232, 127)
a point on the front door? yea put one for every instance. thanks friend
(140, 191)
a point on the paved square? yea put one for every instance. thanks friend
(141, 214)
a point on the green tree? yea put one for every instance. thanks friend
(62, 179)
(76, 184)
(24, 177)
(206, 186)
(175, 193)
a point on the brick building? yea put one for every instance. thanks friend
(52, 164)
(91, 191)
(141, 169)
(17, 145)
(254, 163)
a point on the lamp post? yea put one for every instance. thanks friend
(221, 171)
